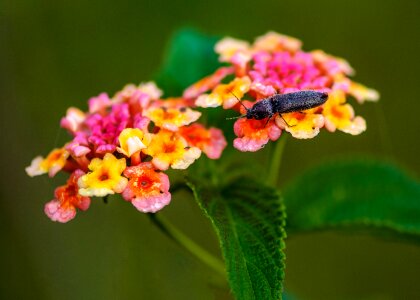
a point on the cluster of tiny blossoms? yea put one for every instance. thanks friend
(124, 145)
(276, 64)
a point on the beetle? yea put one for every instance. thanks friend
(283, 103)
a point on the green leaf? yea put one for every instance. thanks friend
(249, 220)
(360, 194)
(190, 57)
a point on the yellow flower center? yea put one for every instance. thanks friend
(105, 177)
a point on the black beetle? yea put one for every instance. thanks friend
(284, 103)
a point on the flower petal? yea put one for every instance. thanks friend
(211, 141)
(105, 177)
(147, 189)
(187, 159)
(63, 207)
(59, 212)
(301, 125)
(152, 204)
(170, 118)
(227, 47)
(73, 120)
(35, 168)
(254, 134)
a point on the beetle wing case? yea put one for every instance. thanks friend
(291, 102)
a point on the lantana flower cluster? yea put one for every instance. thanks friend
(276, 64)
(124, 145)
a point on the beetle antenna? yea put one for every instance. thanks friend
(239, 100)
(238, 117)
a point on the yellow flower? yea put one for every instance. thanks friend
(169, 149)
(172, 118)
(340, 115)
(228, 47)
(133, 140)
(226, 94)
(207, 83)
(363, 93)
(105, 177)
(54, 162)
(273, 41)
(301, 125)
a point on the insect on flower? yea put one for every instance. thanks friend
(283, 103)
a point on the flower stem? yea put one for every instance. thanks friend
(273, 174)
(185, 242)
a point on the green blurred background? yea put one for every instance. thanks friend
(56, 54)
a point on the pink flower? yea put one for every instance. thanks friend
(138, 97)
(284, 70)
(254, 134)
(73, 119)
(211, 141)
(99, 104)
(147, 189)
(105, 129)
(63, 207)
(79, 146)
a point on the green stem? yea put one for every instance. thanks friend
(185, 242)
(273, 174)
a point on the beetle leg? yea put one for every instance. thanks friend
(268, 120)
(285, 121)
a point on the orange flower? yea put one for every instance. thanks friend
(63, 207)
(173, 102)
(147, 189)
(254, 134)
(210, 141)
(207, 83)
(170, 149)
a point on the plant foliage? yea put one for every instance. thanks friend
(365, 194)
(249, 220)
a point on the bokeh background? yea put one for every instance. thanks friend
(56, 54)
